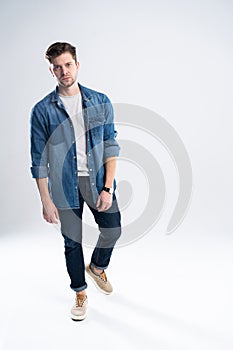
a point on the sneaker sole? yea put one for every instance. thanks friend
(78, 318)
(96, 285)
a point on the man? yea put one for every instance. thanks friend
(73, 151)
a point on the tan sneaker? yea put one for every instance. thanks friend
(79, 310)
(100, 281)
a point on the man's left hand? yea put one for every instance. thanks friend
(104, 201)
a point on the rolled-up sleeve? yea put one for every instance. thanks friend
(39, 141)
(111, 146)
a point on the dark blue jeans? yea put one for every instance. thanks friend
(109, 224)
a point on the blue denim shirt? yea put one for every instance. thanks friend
(53, 145)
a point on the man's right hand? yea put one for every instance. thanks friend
(50, 212)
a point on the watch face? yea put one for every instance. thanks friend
(108, 189)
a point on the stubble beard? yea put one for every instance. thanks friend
(67, 84)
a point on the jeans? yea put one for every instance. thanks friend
(109, 224)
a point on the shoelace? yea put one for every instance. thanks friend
(80, 301)
(103, 276)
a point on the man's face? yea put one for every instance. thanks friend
(65, 69)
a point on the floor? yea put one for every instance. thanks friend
(170, 292)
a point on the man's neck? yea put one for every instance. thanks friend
(69, 91)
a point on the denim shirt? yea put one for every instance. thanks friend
(53, 145)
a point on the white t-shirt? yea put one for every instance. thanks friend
(73, 106)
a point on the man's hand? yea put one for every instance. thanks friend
(104, 201)
(50, 212)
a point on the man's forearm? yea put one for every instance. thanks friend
(110, 168)
(104, 201)
(42, 185)
(50, 212)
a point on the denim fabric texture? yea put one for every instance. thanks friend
(53, 145)
(109, 224)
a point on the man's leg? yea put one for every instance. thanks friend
(71, 228)
(109, 223)
(110, 230)
(75, 264)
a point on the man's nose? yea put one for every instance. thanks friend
(64, 70)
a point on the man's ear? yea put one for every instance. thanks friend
(51, 71)
(78, 65)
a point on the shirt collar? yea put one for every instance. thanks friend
(86, 95)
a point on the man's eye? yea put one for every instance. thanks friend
(68, 64)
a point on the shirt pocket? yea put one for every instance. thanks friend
(96, 127)
(56, 132)
(96, 131)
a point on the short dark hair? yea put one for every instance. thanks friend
(58, 48)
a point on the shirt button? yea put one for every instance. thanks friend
(89, 154)
(74, 157)
(74, 141)
(76, 187)
(92, 183)
(90, 169)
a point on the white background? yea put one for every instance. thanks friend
(174, 57)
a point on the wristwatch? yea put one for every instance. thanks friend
(108, 189)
